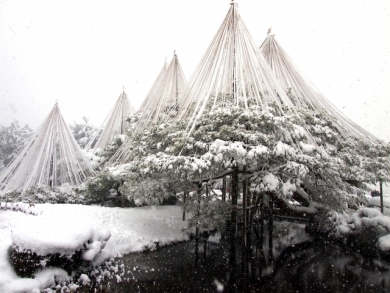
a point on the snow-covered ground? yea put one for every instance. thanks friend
(64, 227)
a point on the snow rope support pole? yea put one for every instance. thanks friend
(381, 194)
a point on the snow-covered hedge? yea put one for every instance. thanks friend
(44, 194)
(97, 190)
(60, 237)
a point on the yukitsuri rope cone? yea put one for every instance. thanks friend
(115, 124)
(162, 102)
(50, 158)
(232, 72)
(303, 93)
(160, 105)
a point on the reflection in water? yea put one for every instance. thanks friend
(300, 265)
(315, 266)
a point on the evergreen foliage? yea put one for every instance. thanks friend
(12, 139)
(83, 132)
(110, 149)
(104, 190)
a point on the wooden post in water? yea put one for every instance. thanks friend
(270, 228)
(261, 221)
(381, 194)
(205, 247)
(196, 250)
(230, 187)
(199, 194)
(224, 189)
(249, 215)
(244, 211)
(246, 251)
(184, 201)
(233, 228)
(234, 196)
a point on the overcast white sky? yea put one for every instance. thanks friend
(82, 53)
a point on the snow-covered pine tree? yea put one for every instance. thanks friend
(83, 132)
(12, 139)
(273, 154)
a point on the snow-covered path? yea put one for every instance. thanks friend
(132, 229)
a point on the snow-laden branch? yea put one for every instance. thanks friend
(294, 210)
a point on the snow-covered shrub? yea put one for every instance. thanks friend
(365, 229)
(148, 189)
(94, 158)
(207, 213)
(327, 223)
(45, 194)
(104, 189)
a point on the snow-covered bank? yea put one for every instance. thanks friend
(132, 229)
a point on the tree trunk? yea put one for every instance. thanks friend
(122, 197)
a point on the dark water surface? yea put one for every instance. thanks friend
(298, 264)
